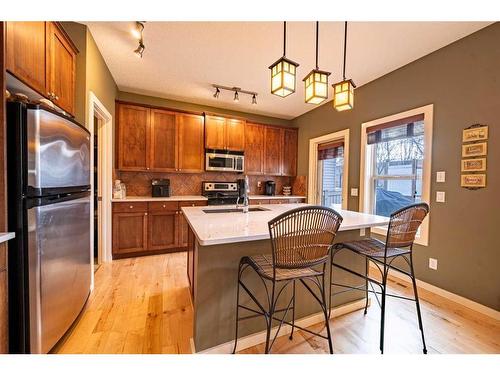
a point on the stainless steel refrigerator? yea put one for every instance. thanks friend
(48, 184)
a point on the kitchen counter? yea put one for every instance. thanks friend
(6, 236)
(217, 242)
(276, 197)
(174, 198)
(223, 228)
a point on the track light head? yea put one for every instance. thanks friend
(140, 49)
(137, 30)
(217, 93)
(254, 99)
(236, 97)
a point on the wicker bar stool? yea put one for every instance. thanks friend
(301, 240)
(403, 227)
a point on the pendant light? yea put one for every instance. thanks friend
(343, 92)
(283, 73)
(316, 82)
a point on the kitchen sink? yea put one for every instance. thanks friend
(228, 210)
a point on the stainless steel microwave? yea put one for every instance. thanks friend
(224, 161)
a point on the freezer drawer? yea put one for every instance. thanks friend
(58, 151)
(59, 268)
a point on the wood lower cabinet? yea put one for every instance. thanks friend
(254, 149)
(143, 228)
(41, 55)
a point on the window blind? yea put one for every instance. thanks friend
(330, 150)
(398, 129)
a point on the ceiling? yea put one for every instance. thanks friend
(183, 59)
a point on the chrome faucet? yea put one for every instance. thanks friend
(245, 189)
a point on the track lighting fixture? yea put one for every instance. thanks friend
(237, 91)
(138, 33)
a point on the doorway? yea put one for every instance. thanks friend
(100, 126)
(328, 170)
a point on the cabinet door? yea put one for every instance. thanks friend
(215, 128)
(289, 149)
(133, 137)
(191, 150)
(183, 225)
(254, 149)
(162, 230)
(235, 135)
(130, 232)
(163, 151)
(61, 60)
(272, 151)
(25, 53)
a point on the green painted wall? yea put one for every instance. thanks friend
(462, 80)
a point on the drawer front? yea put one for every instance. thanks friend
(130, 207)
(277, 201)
(163, 206)
(192, 203)
(259, 201)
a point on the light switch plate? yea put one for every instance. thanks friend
(354, 192)
(441, 176)
(440, 196)
(433, 264)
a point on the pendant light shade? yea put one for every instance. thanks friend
(316, 82)
(343, 92)
(283, 73)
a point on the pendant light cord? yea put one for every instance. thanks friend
(345, 46)
(284, 38)
(317, 38)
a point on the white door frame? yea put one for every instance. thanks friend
(312, 190)
(104, 134)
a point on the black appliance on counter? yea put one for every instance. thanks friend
(160, 187)
(220, 193)
(270, 187)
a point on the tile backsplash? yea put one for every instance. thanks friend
(139, 183)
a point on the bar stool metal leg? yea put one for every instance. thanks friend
(237, 309)
(326, 310)
(382, 313)
(417, 302)
(366, 285)
(293, 311)
(270, 320)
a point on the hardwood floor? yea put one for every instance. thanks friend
(142, 305)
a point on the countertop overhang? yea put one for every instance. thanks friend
(224, 228)
(6, 236)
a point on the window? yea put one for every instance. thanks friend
(328, 170)
(395, 164)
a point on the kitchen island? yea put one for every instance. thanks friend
(216, 242)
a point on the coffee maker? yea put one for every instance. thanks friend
(270, 187)
(160, 187)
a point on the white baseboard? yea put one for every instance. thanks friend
(260, 337)
(488, 311)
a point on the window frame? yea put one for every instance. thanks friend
(366, 176)
(312, 186)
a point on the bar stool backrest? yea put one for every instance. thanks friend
(404, 225)
(302, 237)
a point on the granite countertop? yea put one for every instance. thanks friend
(222, 228)
(6, 236)
(198, 198)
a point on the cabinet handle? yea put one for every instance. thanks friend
(56, 97)
(145, 214)
(164, 206)
(147, 168)
(131, 207)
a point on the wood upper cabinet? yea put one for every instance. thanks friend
(272, 150)
(235, 135)
(215, 132)
(191, 150)
(254, 149)
(224, 133)
(289, 152)
(130, 232)
(41, 55)
(61, 65)
(133, 138)
(163, 153)
(26, 53)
